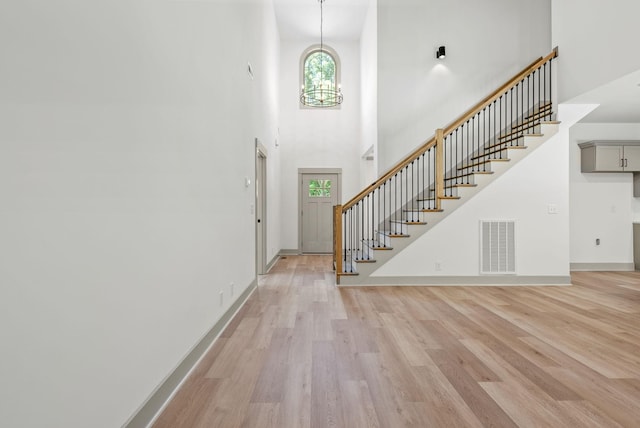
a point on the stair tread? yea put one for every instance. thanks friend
(347, 269)
(375, 245)
(359, 258)
(347, 273)
(466, 174)
(502, 143)
(390, 234)
(408, 222)
(425, 210)
(531, 125)
(488, 153)
(455, 185)
(473, 165)
(449, 197)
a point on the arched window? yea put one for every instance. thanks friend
(320, 78)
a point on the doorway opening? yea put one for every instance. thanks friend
(261, 209)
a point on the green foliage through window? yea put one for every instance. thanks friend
(320, 188)
(319, 71)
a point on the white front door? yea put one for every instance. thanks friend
(318, 194)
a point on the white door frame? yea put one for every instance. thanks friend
(301, 173)
(261, 208)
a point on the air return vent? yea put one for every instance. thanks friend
(497, 247)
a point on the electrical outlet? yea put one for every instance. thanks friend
(231, 289)
(438, 266)
(221, 298)
(552, 209)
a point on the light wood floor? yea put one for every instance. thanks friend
(303, 353)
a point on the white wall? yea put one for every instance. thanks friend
(126, 133)
(597, 42)
(523, 193)
(265, 47)
(602, 204)
(317, 138)
(369, 94)
(487, 43)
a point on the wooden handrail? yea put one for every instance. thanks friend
(406, 161)
(452, 126)
(500, 91)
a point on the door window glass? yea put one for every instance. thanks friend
(320, 188)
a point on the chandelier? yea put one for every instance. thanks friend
(322, 93)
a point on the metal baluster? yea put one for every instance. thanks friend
(384, 209)
(468, 155)
(484, 137)
(455, 163)
(500, 125)
(395, 198)
(528, 95)
(549, 75)
(511, 112)
(473, 140)
(498, 120)
(350, 248)
(539, 99)
(421, 188)
(544, 89)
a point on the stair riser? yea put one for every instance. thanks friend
(368, 252)
(384, 239)
(400, 228)
(426, 205)
(413, 216)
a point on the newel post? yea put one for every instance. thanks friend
(337, 241)
(439, 166)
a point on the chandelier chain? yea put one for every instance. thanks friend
(321, 42)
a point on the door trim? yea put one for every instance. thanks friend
(301, 173)
(260, 207)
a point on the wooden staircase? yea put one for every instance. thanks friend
(445, 172)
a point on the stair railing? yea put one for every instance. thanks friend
(449, 159)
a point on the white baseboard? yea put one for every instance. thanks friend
(289, 252)
(151, 409)
(620, 267)
(484, 280)
(272, 262)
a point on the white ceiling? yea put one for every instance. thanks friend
(343, 20)
(619, 101)
(300, 19)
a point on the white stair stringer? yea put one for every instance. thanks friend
(364, 270)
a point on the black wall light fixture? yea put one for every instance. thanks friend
(440, 53)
